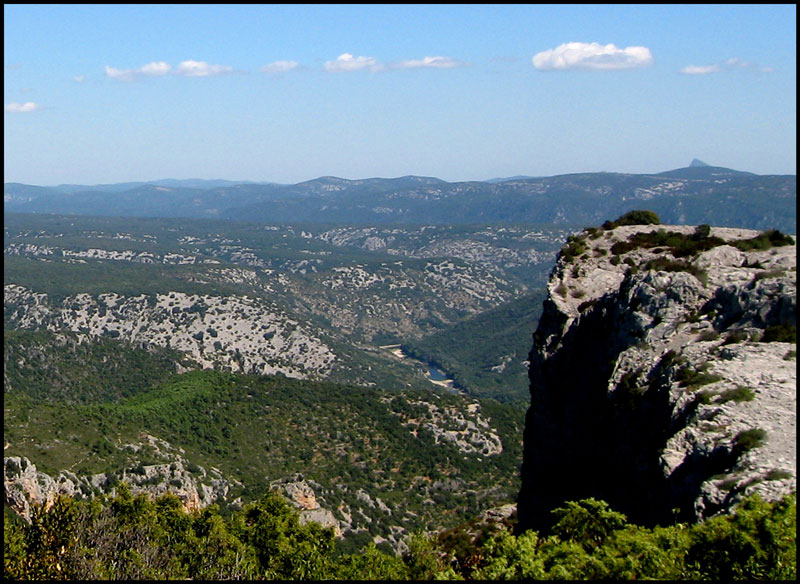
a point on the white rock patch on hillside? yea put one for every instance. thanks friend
(234, 332)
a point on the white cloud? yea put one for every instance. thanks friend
(727, 65)
(347, 62)
(279, 67)
(160, 68)
(431, 62)
(592, 56)
(120, 74)
(22, 108)
(154, 69)
(201, 69)
(79, 78)
(701, 69)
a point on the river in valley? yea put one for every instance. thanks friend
(433, 373)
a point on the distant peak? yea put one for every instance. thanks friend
(695, 163)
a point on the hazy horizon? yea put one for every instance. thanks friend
(240, 181)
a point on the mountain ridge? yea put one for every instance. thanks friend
(219, 182)
(692, 195)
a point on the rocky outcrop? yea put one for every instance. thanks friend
(194, 485)
(24, 485)
(663, 379)
(303, 497)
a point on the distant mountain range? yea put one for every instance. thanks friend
(695, 194)
(191, 183)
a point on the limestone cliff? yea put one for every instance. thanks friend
(663, 374)
(196, 487)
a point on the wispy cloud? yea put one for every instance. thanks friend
(728, 65)
(79, 78)
(23, 108)
(592, 56)
(201, 69)
(279, 67)
(160, 68)
(429, 62)
(347, 62)
(154, 69)
(701, 69)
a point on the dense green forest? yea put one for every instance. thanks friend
(127, 537)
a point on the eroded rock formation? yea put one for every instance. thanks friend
(662, 381)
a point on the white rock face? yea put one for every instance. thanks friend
(25, 485)
(238, 333)
(302, 496)
(655, 373)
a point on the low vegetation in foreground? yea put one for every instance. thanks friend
(127, 537)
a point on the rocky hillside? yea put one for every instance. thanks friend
(233, 332)
(663, 373)
(313, 302)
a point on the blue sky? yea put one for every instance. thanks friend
(101, 94)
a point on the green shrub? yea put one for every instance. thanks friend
(622, 247)
(749, 439)
(704, 397)
(576, 245)
(764, 240)
(777, 475)
(669, 358)
(780, 333)
(739, 393)
(636, 217)
(589, 521)
(678, 244)
(691, 378)
(709, 335)
(134, 538)
(664, 264)
(702, 231)
(757, 542)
